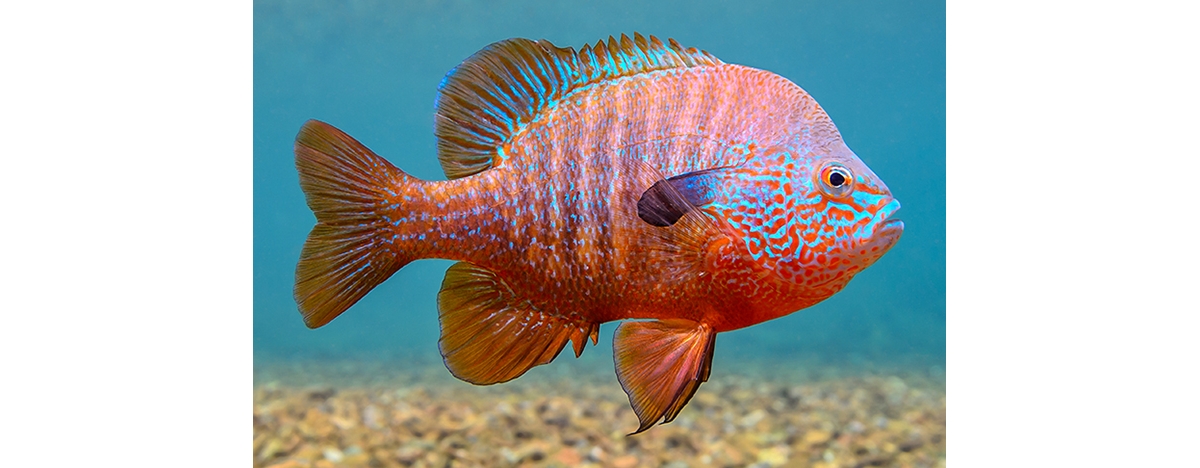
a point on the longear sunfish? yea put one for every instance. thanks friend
(629, 180)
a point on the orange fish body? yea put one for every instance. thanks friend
(630, 180)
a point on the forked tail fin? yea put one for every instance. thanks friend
(351, 249)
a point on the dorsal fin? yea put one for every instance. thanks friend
(490, 96)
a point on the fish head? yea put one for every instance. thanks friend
(813, 216)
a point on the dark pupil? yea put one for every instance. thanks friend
(836, 179)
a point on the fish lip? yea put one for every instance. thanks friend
(883, 219)
(886, 230)
(889, 209)
(889, 229)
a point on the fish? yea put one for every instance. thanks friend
(632, 180)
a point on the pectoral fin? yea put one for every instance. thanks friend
(660, 364)
(668, 227)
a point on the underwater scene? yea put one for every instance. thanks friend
(347, 377)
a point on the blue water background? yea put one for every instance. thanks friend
(372, 69)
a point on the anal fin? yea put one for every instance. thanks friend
(489, 334)
(660, 364)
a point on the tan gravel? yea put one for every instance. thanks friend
(424, 418)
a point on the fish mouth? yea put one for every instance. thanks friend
(887, 231)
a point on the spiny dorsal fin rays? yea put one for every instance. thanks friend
(486, 100)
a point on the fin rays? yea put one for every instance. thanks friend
(489, 335)
(345, 255)
(660, 364)
(483, 101)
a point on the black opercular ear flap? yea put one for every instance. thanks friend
(668, 200)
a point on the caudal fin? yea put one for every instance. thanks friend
(350, 250)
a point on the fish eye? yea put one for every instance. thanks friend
(836, 180)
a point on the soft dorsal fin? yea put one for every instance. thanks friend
(486, 99)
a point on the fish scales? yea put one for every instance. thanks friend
(576, 142)
(631, 180)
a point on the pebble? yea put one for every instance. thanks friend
(333, 454)
(816, 437)
(753, 418)
(596, 454)
(625, 461)
(855, 427)
(774, 456)
(568, 456)
(409, 453)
